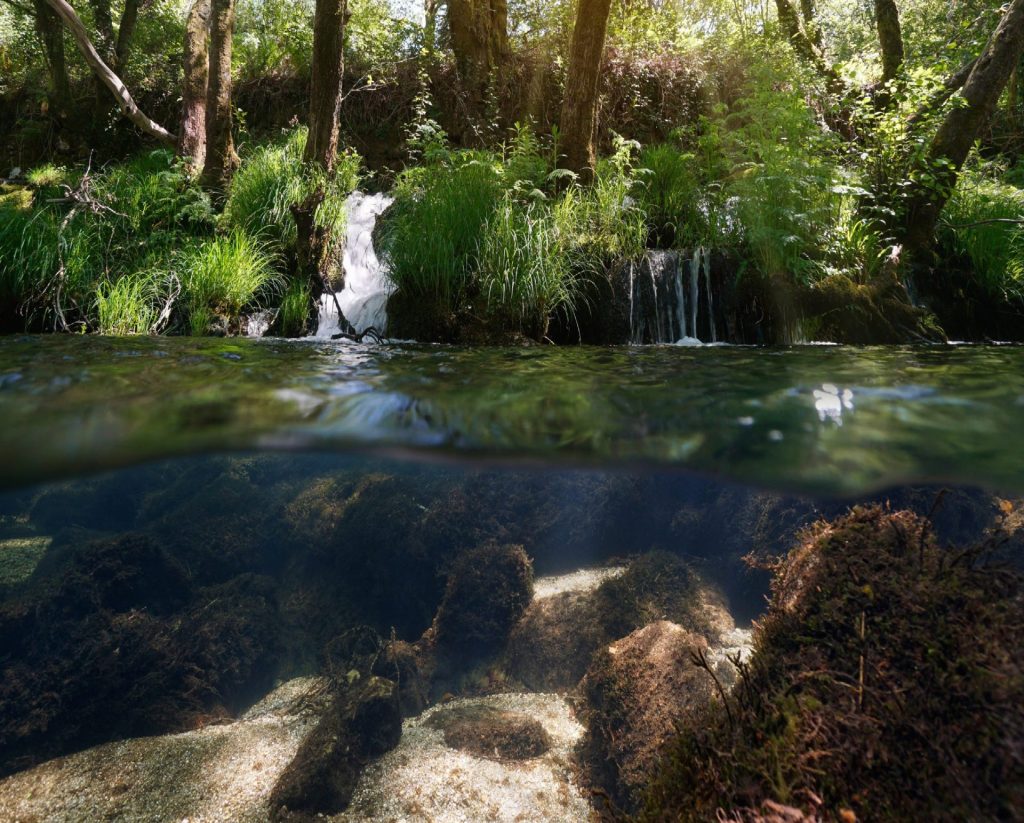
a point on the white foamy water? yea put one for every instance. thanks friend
(364, 298)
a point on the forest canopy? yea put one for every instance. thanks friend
(853, 165)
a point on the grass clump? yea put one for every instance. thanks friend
(128, 305)
(984, 221)
(524, 272)
(273, 179)
(886, 684)
(225, 275)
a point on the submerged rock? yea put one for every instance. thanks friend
(425, 779)
(488, 590)
(551, 647)
(218, 774)
(490, 732)
(886, 684)
(635, 692)
(362, 722)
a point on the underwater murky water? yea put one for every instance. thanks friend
(200, 539)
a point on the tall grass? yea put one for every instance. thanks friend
(294, 317)
(129, 305)
(669, 194)
(273, 179)
(434, 229)
(995, 249)
(225, 275)
(524, 271)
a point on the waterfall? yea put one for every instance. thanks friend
(680, 300)
(711, 299)
(364, 297)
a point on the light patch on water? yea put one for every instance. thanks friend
(218, 774)
(577, 582)
(425, 781)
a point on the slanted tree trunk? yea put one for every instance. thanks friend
(51, 33)
(579, 106)
(192, 133)
(479, 33)
(314, 242)
(221, 160)
(811, 24)
(952, 142)
(103, 71)
(807, 46)
(890, 38)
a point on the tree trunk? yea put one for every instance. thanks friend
(329, 23)
(126, 30)
(890, 38)
(579, 106)
(51, 33)
(952, 143)
(811, 24)
(479, 32)
(221, 160)
(192, 134)
(103, 71)
(103, 22)
(313, 239)
(808, 46)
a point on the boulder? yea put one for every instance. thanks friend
(634, 694)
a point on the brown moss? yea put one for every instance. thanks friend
(887, 683)
(489, 732)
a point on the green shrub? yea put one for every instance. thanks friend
(295, 304)
(523, 268)
(225, 275)
(433, 232)
(669, 194)
(995, 249)
(129, 305)
(274, 178)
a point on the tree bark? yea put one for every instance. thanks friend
(192, 133)
(51, 33)
(811, 26)
(890, 38)
(126, 30)
(103, 71)
(221, 160)
(313, 240)
(328, 65)
(479, 32)
(579, 106)
(952, 142)
(806, 46)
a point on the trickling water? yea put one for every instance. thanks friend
(364, 298)
(711, 299)
(694, 289)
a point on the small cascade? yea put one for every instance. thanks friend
(666, 303)
(364, 297)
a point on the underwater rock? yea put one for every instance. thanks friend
(362, 722)
(409, 666)
(426, 779)
(221, 773)
(488, 590)
(635, 692)
(490, 732)
(887, 684)
(120, 646)
(551, 647)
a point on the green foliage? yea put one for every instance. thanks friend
(294, 311)
(524, 272)
(984, 220)
(669, 194)
(130, 304)
(431, 238)
(225, 275)
(273, 179)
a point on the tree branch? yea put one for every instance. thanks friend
(106, 75)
